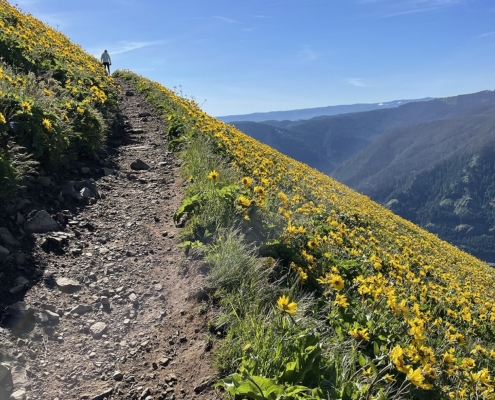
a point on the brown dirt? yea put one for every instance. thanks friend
(122, 249)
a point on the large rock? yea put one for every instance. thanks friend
(8, 239)
(66, 285)
(42, 222)
(4, 253)
(139, 165)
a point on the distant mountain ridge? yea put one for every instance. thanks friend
(432, 162)
(308, 113)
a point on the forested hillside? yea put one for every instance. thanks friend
(439, 175)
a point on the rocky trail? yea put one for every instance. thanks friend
(96, 299)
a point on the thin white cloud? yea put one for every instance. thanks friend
(229, 20)
(262, 16)
(358, 82)
(486, 34)
(124, 47)
(393, 8)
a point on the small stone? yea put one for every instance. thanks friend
(66, 285)
(130, 93)
(86, 193)
(118, 376)
(85, 170)
(104, 300)
(18, 395)
(139, 165)
(81, 309)
(52, 316)
(98, 329)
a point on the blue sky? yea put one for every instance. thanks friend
(239, 57)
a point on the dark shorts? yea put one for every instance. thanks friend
(106, 64)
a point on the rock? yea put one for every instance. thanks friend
(145, 393)
(104, 300)
(118, 376)
(139, 165)
(20, 280)
(8, 239)
(98, 329)
(85, 170)
(6, 382)
(86, 193)
(52, 316)
(66, 285)
(20, 310)
(18, 395)
(42, 222)
(16, 289)
(108, 171)
(4, 253)
(130, 93)
(81, 309)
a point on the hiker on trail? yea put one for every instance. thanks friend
(106, 60)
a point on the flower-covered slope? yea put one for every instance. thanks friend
(55, 99)
(404, 295)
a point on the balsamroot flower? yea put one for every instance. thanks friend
(47, 124)
(213, 175)
(286, 306)
(2, 119)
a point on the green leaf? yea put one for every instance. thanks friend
(189, 204)
(362, 360)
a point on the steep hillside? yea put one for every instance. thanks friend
(438, 175)
(353, 301)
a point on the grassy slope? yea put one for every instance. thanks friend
(56, 102)
(414, 314)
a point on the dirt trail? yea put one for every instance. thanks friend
(130, 325)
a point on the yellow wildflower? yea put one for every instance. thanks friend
(286, 306)
(213, 175)
(47, 124)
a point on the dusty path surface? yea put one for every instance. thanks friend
(110, 305)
